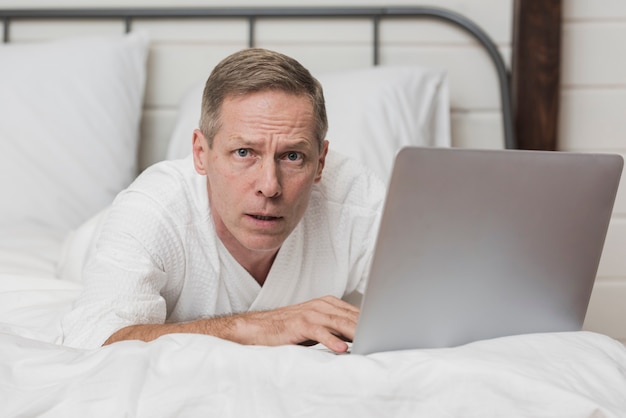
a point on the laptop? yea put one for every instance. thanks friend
(479, 244)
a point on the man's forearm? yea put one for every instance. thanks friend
(222, 327)
(327, 320)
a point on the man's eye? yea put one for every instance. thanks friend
(294, 156)
(243, 152)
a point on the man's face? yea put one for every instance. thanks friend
(260, 169)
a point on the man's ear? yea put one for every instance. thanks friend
(200, 148)
(321, 161)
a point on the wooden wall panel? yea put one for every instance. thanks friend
(536, 72)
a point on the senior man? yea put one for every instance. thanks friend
(255, 238)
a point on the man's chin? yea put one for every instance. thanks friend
(263, 244)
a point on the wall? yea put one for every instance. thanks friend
(593, 119)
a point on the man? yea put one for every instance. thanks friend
(245, 240)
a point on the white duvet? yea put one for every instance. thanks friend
(578, 374)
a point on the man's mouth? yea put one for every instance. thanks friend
(265, 218)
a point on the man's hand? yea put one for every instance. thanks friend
(327, 320)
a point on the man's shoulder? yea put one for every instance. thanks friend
(173, 169)
(166, 177)
(172, 184)
(346, 181)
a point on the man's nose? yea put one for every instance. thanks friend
(269, 182)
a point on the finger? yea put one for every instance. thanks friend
(339, 326)
(343, 327)
(338, 316)
(338, 346)
(339, 303)
(331, 341)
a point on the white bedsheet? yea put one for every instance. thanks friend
(554, 375)
(32, 306)
(578, 374)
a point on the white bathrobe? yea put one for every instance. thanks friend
(158, 258)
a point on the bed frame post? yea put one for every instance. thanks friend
(251, 31)
(376, 40)
(5, 30)
(536, 63)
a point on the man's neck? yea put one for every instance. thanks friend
(258, 267)
(257, 263)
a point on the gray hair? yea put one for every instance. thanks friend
(256, 69)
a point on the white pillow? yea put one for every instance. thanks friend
(69, 127)
(372, 113)
(78, 246)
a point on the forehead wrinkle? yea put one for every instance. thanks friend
(269, 120)
(278, 122)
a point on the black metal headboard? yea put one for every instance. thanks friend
(255, 13)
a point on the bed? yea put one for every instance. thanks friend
(70, 141)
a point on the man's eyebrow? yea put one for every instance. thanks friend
(296, 143)
(243, 142)
(299, 143)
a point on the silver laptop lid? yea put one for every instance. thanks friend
(477, 244)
